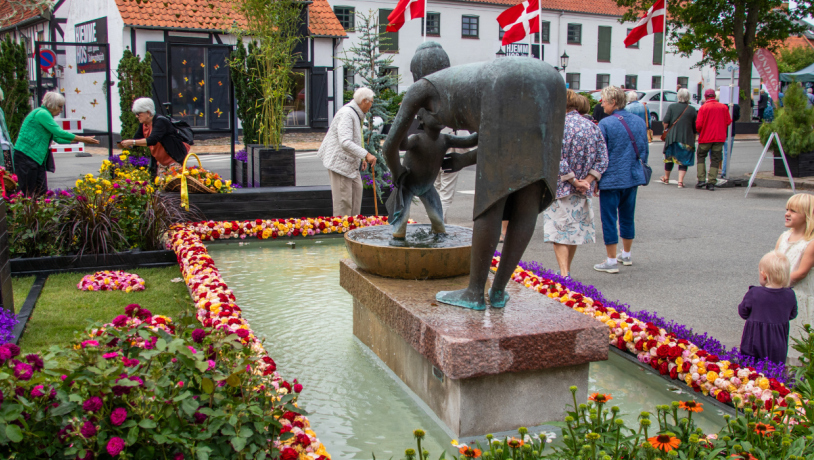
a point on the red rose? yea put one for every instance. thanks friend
(654, 363)
(215, 234)
(674, 352)
(615, 316)
(683, 342)
(663, 368)
(774, 384)
(701, 353)
(242, 333)
(768, 404)
(784, 391)
(303, 439)
(620, 343)
(674, 373)
(350, 219)
(754, 376)
(685, 366)
(724, 397)
(598, 304)
(712, 358)
(696, 387)
(289, 454)
(713, 367)
(570, 303)
(635, 328)
(639, 345)
(210, 224)
(288, 415)
(650, 344)
(663, 351)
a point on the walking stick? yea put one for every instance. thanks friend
(375, 194)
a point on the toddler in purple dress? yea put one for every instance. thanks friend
(768, 309)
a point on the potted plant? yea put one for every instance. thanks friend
(267, 70)
(793, 125)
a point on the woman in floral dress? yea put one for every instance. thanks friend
(794, 243)
(569, 221)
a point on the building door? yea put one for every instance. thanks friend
(319, 97)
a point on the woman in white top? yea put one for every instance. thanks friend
(794, 243)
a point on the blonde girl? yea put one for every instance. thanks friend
(794, 244)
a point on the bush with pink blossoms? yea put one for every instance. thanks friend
(142, 388)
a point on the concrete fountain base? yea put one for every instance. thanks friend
(480, 372)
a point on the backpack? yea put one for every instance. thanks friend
(182, 130)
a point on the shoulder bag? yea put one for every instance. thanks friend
(664, 134)
(645, 167)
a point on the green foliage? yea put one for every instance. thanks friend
(145, 388)
(727, 31)
(135, 80)
(394, 101)
(14, 81)
(369, 65)
(347, 96)
(794, 59)
(32, 225)
(792, 122)
(274, 24)
(247, 90)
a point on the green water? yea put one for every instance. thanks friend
(292, 298)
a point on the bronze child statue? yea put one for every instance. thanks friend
(425, 154)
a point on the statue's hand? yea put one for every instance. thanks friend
(453, 162)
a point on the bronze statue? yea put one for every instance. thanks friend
(517, 107)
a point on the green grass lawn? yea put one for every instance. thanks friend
(20, 288)
(62, 309)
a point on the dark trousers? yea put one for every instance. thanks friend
(715, 150)
(31, 179)
(618, 205)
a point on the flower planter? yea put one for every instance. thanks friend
(91, 263)
(800, 166)
(272, 167)
(241, 173)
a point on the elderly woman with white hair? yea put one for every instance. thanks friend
(679, 143)
(157, 132)
(342, 153)
(626, 137)
(32, 152)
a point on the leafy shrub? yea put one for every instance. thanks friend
(33, 223)
(793, 123)
(145, 387)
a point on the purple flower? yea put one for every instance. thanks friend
(118, 416)
(209, 367)
(5, 354)
(23, 371)
(93, 404)
(36, 392)
(13, 349)
(35, 361)
(110, 355)
(242, 155)
(115, 446)
(198, 335)
(88, 430)
(120, 321)
(199, 417)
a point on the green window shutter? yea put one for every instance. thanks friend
(390, 40)
(658, 41)
(603, 53)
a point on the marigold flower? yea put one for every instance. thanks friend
(600, 398)
(691, 406)
(664, 442)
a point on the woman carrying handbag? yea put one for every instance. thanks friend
(679, 137)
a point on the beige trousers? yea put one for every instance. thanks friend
(445, 184)
(346, 194)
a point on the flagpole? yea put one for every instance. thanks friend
(531, 41)
(426, 21)
(663, 63)
(540, 26)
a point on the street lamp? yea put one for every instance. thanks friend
(500, 53)
(563, 62)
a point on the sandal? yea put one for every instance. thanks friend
(681, 185)
(664, 180)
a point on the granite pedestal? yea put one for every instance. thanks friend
(479, 371)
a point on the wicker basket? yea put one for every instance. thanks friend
(194, 185)
(9, 185)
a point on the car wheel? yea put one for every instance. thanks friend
(653, 117)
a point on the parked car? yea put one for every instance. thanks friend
(652, 99)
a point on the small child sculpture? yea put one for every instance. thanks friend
(425, 154)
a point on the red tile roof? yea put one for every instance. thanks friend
(213, 15)
(11, 15)
(604, 7)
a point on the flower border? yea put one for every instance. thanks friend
(215, 303)
(660, 345)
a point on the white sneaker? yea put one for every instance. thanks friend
(606, 267)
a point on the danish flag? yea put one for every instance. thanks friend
(405, 10)
(519, 21)
(651, 23)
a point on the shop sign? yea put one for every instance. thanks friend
(91, 58)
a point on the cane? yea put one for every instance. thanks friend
(375, 201)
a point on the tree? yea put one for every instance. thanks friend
(727, 31)
(794, 59)
(247, 90)
(274, 25)
(793, 123)
(14, 81)
(135, 81)
(367, 63)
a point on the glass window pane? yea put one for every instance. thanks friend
(346, 16)
(189, 98)
(546, 31)
(635, 45)
(602, 81)
(658, 39)
(469, 26)
(670, 96)
(573, 81)
(631, 81)
(655, 83)
(575, 34)
(296, 106)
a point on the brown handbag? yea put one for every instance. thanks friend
(664, 133)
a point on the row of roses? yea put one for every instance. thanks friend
(279, 228)
(726, 381)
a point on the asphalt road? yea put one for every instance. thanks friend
(695, 254)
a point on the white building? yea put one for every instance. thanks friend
(588, 31)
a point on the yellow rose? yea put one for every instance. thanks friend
(763, 383)
(611, 324)
(679, 361)
(218, 184)
(228, 183)
(711, 376)
(629, 338)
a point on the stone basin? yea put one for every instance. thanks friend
(421, 255)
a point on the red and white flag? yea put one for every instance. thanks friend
(405, 10)
(651, 23)
(519, 21)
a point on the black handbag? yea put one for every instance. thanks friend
(646, 169)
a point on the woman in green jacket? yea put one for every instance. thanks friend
(32, 154)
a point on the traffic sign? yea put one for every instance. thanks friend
(48, 59)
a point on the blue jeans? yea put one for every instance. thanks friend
(618, 205)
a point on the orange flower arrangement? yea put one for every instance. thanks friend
(469, 452)
(515, 443)
(664, 442)
(691, 406)
(763, 429)
(600, 398)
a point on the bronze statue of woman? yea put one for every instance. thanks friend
(517, 107)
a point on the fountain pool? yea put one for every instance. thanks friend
(292, 298)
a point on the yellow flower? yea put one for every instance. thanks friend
(711, 376)
(763, 383)
(228, 183)
(629, 337)
(679, 361)
(122, 157)
(218, 183)
(79, 182)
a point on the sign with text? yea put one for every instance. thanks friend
(91, 58)
(767, 68)
(522, 50)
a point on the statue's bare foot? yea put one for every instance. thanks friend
(463, 298)
(498, 299)
(399, 236)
